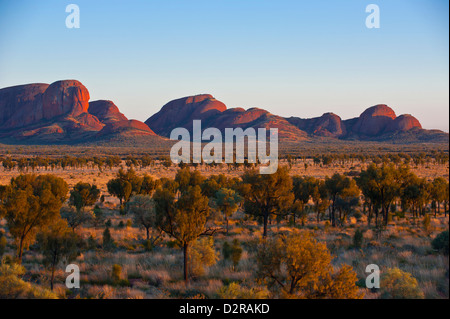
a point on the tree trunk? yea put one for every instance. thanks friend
(376, 217)
(53, 277)
(438, 208)
(226, 219)
(186, 262)
(386, 216)
(332, 213)
(265, 225)
(20, 252)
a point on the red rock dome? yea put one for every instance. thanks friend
(65, 97)
(404, 122)
(374, 120)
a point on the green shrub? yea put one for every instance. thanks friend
(173, 244)
(116, 273)
(440, 243)
(202, 255)
(91, 243)
(108, 241)
(2, 244)
(13, 287)
(397, 284)
(358, 238)
(236, 253)
(226, 251)
(400, 214)
(235, 291)
(426, 222)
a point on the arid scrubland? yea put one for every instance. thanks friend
(126, 263)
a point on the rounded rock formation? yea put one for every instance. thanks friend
(403, 123)
(21, 105)
(106, 111)
(67, 97)
(181, 113)
(374, 120)
(119, 127)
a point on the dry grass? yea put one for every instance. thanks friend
(158, 273)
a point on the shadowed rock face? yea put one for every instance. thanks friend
(106, 111)
(374, 120)
(126, 127)
(21, 105)
(328, 125)
(403, 123)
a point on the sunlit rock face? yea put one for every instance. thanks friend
(68, 97)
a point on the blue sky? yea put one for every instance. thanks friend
(299, 58)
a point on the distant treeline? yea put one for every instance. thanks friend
(25, 164)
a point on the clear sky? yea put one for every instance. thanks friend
(291, 57)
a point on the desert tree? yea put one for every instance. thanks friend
(211, 185)
(267, 195)
(319, 197)
(299, 266)
(227, 201)
(83, 194)
(439, 192)
(57, 244)
(98, 216)
(347, 201)
(148, 185)
(382, 184)
(303, 189)
(120, 189)
(74, 217)
(34, 201)
(186, 178)
(338, 187)
(4, 191)
(142, 207)
(124, 185)
(185, 219)
(168, 184)
(415, 194)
